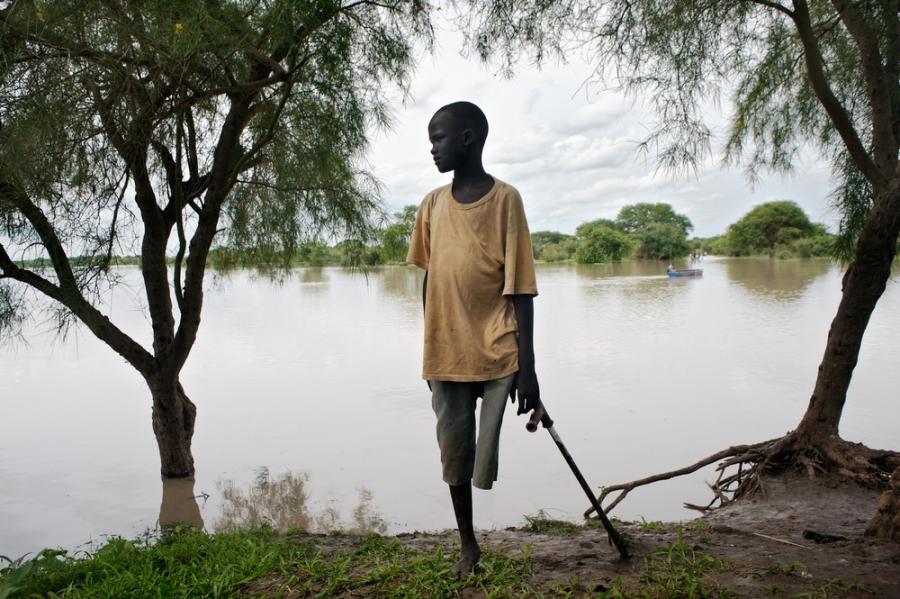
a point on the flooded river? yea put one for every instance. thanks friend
(317, 374)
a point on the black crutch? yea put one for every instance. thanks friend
(540, 415)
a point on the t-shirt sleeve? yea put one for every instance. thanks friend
(420, 243)
(519, 257)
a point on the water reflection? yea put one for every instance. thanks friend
(179, 504)
(282, 502)
(629, 268)
(785, 279)
(312, 275)
(401, 281)
(279, 503)
(277, 277)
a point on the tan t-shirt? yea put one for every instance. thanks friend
(475, 255)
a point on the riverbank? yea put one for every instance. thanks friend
(753, 549)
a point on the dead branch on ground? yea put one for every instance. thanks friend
(741, 468)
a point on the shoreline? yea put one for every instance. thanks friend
(753, 548)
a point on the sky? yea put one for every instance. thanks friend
(571, 149)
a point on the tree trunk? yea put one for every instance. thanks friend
(173, 424)
(863, 284)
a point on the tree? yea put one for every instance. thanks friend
(685, 53)
(394, 238)
(598, 242)
(636, 217)
(173, 122)
(657, 241)
(768, 224)
(659, 231)
(553, 246)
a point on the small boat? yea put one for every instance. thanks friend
(687, 272)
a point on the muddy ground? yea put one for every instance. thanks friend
(754, 548)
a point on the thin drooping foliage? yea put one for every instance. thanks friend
(797, 72)
(163, 127)
(685, 56)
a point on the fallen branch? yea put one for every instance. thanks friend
(625, 488)
(851, 461)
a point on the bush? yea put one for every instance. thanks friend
(819, 246)
(600, 243)
(551, 246)
(768, 225)
(661, 240)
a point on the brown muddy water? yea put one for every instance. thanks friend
(316, 375)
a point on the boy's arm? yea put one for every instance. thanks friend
(424, 289)
(526, 379)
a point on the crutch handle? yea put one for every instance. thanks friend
(538, 416)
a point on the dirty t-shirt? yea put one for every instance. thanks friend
(475, 255)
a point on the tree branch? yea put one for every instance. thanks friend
(193, 169)
(38, 220)
(97, 322)
(877, 86)
(153, 258)
(891, 10)
(774, 5)
(840, 119)
(115, 218)
(179, 218)
(227, 157)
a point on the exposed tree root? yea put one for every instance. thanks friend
(742, 467)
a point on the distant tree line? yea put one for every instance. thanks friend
(656, 232)
(388, 245)
(781, 229)
(646, 231)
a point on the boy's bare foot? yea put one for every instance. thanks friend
(468, 559)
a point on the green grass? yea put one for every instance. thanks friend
(182, 563)
(187, 563)
(542, 524)
(190, 563)
(678, 571)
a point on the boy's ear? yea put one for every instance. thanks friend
(468, 137)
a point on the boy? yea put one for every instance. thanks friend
(472, 240)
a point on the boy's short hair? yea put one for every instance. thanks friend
(472, 117)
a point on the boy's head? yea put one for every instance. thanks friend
(457, 131)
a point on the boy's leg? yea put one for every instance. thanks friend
(454, 406)
(487, 451)
(469, 551)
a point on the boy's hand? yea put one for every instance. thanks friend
(528, 390)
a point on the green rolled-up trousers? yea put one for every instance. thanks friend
(467, 453)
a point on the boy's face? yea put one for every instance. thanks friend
(450, 143)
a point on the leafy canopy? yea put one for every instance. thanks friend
(766, 225)
(394, 238)
(796, 72)
(598, 242)
(636, 217)
(165, 125)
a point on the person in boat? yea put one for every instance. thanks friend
(471, 238)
